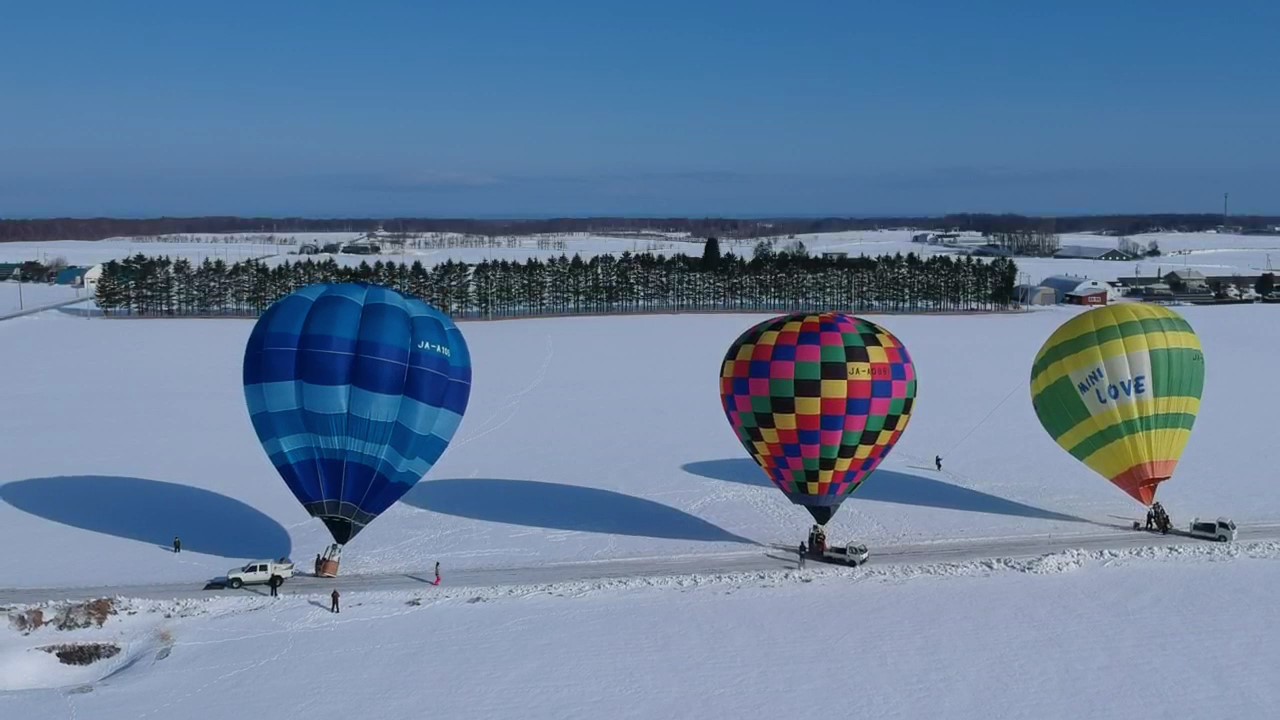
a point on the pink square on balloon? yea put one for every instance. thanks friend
(782, 370)
(759, 387)
(808, 353)
(809, 451)
(880, 406)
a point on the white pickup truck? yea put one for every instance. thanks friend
(259, 572)
(1222, 529)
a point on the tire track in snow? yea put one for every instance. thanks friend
(513, 401)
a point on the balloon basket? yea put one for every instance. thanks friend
(328, 565)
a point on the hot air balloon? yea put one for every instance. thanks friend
(1119, 388)
(818, 400)
(354, 392)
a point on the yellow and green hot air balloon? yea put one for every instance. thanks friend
(1119, 388)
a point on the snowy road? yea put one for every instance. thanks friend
(760, 559)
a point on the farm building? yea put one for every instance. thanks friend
(1084, 252)
(1091, 296)
(1067, 286)
(1188, 279)
(1034, 295)
(85, 277)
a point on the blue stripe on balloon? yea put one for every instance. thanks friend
(355, 391)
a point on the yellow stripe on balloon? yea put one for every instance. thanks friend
(1145, 407)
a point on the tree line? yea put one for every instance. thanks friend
(33, 229)
(771, 281)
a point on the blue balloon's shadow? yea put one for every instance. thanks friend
(153, 512)
(562, 507)
(888, 486)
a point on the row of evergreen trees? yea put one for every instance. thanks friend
(771, 281)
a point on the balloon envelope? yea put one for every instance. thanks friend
(818, 400)
(1119, 388)
(354, 392)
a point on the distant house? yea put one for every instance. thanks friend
(10, 271)
(308, 249)
(1189, 279)
(923, 237)
(1075, 290)
(362, 247)
(1085, 252)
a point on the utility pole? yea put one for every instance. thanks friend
(1224, 208)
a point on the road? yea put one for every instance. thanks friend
(760, 559)
(41, 308)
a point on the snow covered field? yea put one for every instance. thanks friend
(1211, 253)
(599, 439)
(572, 449)
(15, 296)
(1104, 635)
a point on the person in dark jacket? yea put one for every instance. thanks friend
(274, 583)
(937, 460)
(333, 605)
(801, 555)
(437, 573)
(177, 544)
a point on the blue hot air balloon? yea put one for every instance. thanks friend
(354, 391)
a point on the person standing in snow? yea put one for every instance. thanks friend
(937, 460)
(437, 572)
(801, 556)
(177, 544)
(274, 583)
(333, 605)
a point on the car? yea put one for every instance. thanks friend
(259, 572)
(1222, 529)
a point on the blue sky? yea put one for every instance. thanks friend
(640, 108)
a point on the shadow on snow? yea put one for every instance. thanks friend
(888, 486)
(562, 507)
(153, 512)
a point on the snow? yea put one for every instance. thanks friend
(600, 440)
(572, 449)
(1060, 638)
(1211, 253)
(15, 296)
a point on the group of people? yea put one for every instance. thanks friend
(1158, 519)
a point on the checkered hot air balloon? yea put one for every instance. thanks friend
(1119, 388)
(818, 400)
(354, 392)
